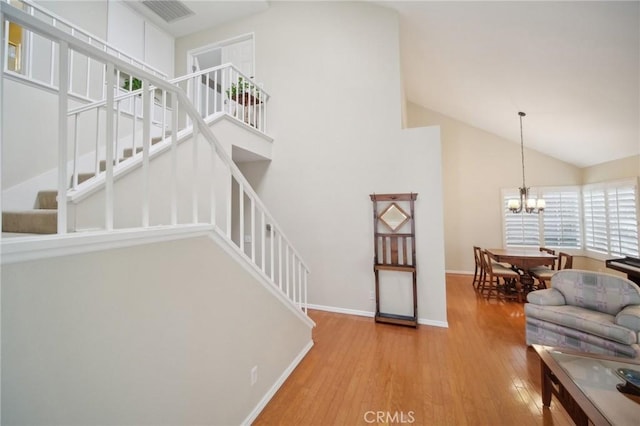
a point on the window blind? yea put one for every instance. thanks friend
(559, 226)
(595, 220)
(611, 218)
(520, 229)
(623, 222)
(561, 218)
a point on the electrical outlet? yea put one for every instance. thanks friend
(254, 375)
(372, 295)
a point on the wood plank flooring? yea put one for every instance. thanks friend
(476, 372)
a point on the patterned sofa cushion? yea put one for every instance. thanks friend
(629, 317)
(546, 297)
(588, 321)
(545, 333)
(596, 291)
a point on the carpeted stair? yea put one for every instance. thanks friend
(43, 218)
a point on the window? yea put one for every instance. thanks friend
(519, 229)
(611, 218)
(595, 220)
(561, 217)
(601, 218)
(559, 226)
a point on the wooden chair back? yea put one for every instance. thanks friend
(477, 254)
(486, 262)
(555, 265)
(565, 261)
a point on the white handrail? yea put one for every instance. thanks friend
(262, 223)
(212, 70)
(253, 114)
(78, 31)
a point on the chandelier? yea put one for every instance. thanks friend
(526, 203)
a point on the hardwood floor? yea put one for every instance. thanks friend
(476, 372)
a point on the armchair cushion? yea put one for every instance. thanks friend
(546, 297)
(629, 317)
(596, 291)
(587, 321)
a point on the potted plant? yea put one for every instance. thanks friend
(243, 92)
(132, 84)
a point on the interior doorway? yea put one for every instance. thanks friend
(239, 51)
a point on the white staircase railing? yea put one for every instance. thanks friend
(86, 76)
(221, 89)
(226, 89)
(228, 203)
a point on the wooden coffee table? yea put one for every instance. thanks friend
(585, 385)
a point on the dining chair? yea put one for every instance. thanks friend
(547, 250)
(493, 272)
(552, 252)
(544, 273)
(478, 274)
(565, 261)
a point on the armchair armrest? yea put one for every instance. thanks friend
(546, 297)
(629, 317)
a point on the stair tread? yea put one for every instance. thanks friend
(44, 217)
(128, 152)
(85, 176)
(47, 199)
(35, 221)
(41, 212)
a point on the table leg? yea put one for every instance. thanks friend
(546, 383)
(526, 284)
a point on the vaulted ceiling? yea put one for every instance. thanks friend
(572, 66)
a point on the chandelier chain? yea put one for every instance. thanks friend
(522, 149)
(529, 205)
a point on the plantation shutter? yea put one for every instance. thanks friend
(595, 219)
(623, 220)
(520, 229)
(561, 218)
(611, 218)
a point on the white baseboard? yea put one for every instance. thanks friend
(448, 271)
(432, 323)
(341, 310)
(272, 391)
(422, 321)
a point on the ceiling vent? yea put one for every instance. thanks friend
(169, 10)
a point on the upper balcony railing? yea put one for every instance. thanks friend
(34, 56)
(226, 89)
(195, 183)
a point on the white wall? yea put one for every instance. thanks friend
(125, 29)
(612, 170)
(138, 37)
(88, 15)
(333, 72)
(160, 334)
(476, 165)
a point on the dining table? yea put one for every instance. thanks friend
(522, 260)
